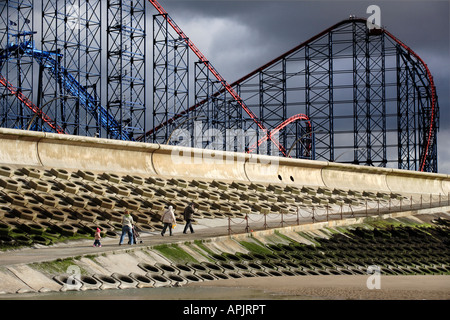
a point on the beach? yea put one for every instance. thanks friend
(353, 287)
(306, 288)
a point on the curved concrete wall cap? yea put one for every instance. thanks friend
(19, 147)
(75, 152)
(355, 177)
(199, 163)
(267, 169)
(420, 182)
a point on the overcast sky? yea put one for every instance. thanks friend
(240, 36)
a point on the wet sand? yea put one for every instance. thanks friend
(353, 287)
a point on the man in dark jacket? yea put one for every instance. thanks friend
(188, 212)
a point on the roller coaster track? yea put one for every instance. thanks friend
(218, 76)
(70, 85)
(269, 134)
(116, 131)
(19, 95)
(431, 128)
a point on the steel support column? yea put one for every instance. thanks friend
(16, 25)
(71, 29)
(126, 73)
(170, 78)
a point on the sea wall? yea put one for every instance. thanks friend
(49, 150)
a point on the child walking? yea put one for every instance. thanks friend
(97, 238)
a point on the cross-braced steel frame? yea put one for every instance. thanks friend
(70, 29)
(16, 71)
(349, 94)
(126, 73)
(368, 99)
(170, 78)
(54, 67)
(219, 117)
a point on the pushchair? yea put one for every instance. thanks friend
(136, 236)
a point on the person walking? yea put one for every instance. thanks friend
(127, 227)
(188, 212)
(168, 219)
(97, 237)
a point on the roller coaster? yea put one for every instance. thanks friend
(350, 94)
(71, 86)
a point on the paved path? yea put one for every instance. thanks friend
(204, 229)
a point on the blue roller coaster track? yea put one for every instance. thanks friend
(48, 60)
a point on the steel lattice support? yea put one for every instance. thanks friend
(208, 116)
(369, 96)
(272, 98)
(415, 115)
(170, 78)
(370, 99)
(349, 94)
(319, 93)
(16, 25)
(71, 29)
(219, 115)
(126, 63)
(407, 138)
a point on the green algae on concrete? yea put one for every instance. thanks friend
(255, 247)
(412, 249)
(58, 266)
(174, 253)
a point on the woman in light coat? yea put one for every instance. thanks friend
(168, 219)
(127, 227)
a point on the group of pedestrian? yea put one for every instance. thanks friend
(169, 219)
(127, 229)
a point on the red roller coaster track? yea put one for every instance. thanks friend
(281, 126)
(229, 87)
(224, 83)
(269, 134)
(433, 96)
(19, 95)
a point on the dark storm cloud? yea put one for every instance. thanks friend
(423, 25)
(239, 36)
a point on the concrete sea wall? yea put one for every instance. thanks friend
(297, 250)
(27, 148)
